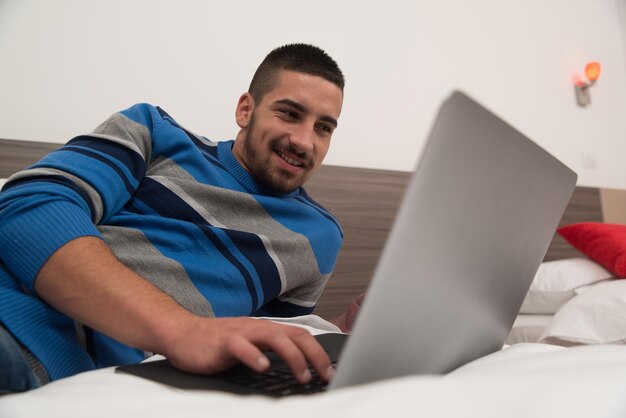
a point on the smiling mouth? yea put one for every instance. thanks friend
(288, 160)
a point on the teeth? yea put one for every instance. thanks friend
(289, 160)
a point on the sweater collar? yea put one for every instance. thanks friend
(230, 162)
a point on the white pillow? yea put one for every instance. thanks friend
(2, 181)
(528, 329)
(596, 316)
(556, 282)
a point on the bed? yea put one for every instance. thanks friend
(564, 356)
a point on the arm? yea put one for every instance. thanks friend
(49, 241)
(84, 280)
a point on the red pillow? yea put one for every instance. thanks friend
(603, 243)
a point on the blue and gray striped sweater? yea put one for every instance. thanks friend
(174, 207)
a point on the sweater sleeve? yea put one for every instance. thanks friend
(68, 192)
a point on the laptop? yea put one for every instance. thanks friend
(474, 225)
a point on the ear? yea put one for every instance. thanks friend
(243, 113)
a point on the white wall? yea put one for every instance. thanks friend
(66, 65)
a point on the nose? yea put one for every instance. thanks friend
(301, 139)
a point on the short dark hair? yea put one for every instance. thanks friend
(302, 58)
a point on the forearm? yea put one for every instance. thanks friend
(84, 280)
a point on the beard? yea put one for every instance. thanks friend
(261, 167)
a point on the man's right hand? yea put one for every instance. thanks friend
(219, 343)
(84, 280)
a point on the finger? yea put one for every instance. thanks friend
(352, 313)
(249, 354)
(284, 346)
(359, 300)
(315, 354)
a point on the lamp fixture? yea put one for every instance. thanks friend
(592, 72)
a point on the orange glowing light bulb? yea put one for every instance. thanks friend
(592, 71)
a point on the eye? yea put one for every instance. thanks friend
(324, 128)
(289, 114)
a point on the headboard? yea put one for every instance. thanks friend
(364, 200)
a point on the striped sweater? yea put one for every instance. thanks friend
(173, 206)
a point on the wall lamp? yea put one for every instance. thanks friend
(592, 72)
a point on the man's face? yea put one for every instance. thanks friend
(285, 137)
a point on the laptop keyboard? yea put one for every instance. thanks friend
(280, 381)
(276, 382)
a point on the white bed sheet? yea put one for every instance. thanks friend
(524, 380)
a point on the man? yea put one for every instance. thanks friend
(144, 237)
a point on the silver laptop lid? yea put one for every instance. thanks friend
(475, 222)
